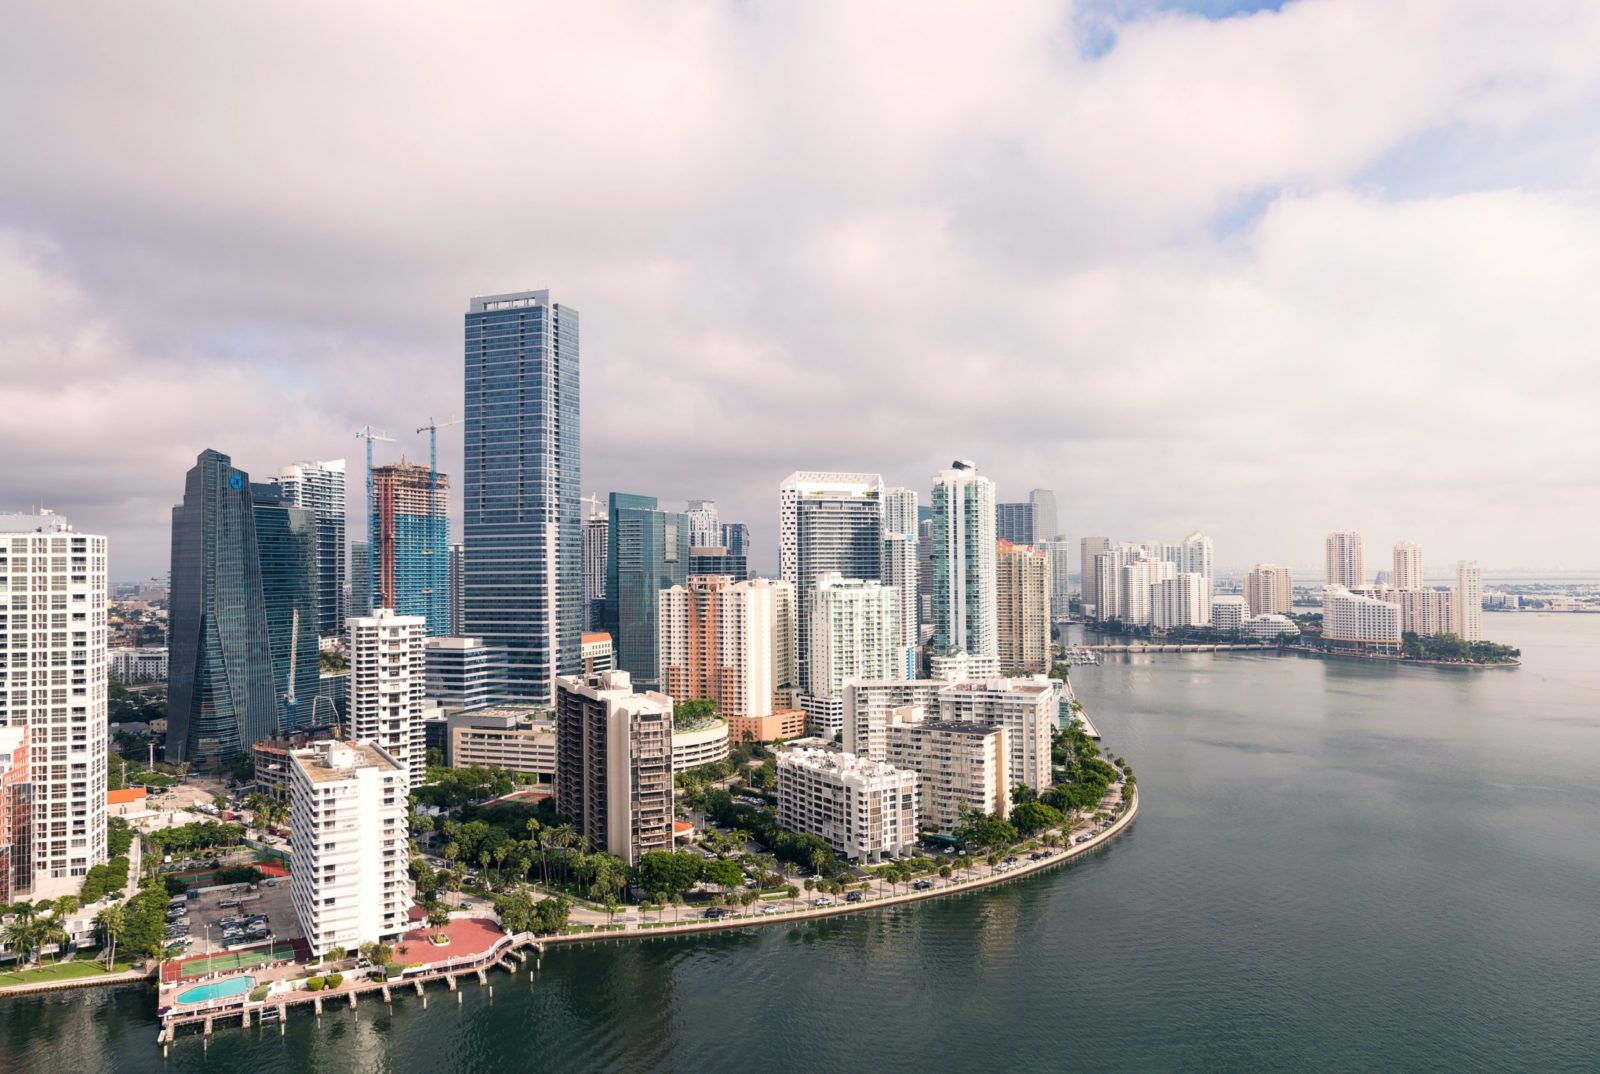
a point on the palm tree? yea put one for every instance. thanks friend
(23, 934)
(52, 930)
(563, 837)
(110, 922)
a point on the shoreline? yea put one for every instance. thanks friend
(1400, 661)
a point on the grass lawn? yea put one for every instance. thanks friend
(62, 971)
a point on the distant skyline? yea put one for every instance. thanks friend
(1264, 273)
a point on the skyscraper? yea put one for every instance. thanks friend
(853, 635)
(57, 683)
(902, 570)
(649, 552)
(457, 565)
(1046, 526)
(964, 611)
(320, 486)
(705, 528)
(900, 511)
(1466, 601)
(736, 539)
(596, 529)
(360, 578)
(1194, 556)
(521, 489)
(728, 641)
(1022, 597)
(1014, 523)
(288, 542)
(410, 538)
(614, 763)
(219, 668)
(829, 523)
(1267, 588)
(1088, 579)
(1407, 565)
(388, 677)
(1059, 553)
(1346, 559)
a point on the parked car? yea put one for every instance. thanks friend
(823, 900)
(715, 912)
(853, 896)
(769, 909)
(922, 885)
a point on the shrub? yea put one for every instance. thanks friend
(314, 984)
(334, 980)
(258, 993)
(392, 969)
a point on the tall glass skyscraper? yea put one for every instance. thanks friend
(830, 523)
(320, 486)
(648, 552)
(522, 524)
(409, 535)
(287, 539)
(360, 579)
(220, 696)
(965, 612)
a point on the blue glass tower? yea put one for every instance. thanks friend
(287, 542)
(409, 557)
(220, 696)
(648, 551)
(522, 546)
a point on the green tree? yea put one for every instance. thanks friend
(109, 923)
(671, 872)
(1032, 816)
(725, 874)
(985, 831)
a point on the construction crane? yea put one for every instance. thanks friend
(369, 436)
(594, 505)
(432, 429)
(438, 520)
(294, 653)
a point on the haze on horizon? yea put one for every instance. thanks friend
(1264, 273)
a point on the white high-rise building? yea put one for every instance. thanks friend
(865, 810)
(1089, 549)
(962, 766)
(900, 511)
(705, 525)
(727, 642)
(830, 523)
(1229, 614)
(347, 829)
(1046, 527)
(965, 614)
(1137, 588)
(1407, 566)
(1194, 556)
(596, 533)
(1346, 559)
(1422, 611)
(900, 570)
(1365, 622)
(1269, 590)
(388, 681)
(1183, 600)
(1466, 604)
(320, 486)
(853, 635)
(1026, 707)
(53, 587)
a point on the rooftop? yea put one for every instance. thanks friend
(326, 762)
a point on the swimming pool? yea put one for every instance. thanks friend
(232, 986)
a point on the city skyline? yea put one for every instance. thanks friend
(1149, 285)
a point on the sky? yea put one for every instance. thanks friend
(1264, 270)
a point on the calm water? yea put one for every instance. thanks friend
(1336, 867)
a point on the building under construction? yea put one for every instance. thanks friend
(410, 543)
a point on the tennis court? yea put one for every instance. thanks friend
(229, 961)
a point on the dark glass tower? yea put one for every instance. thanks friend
(1014, 522)
(521, 493)
(220, 696)
(287, 541)
(648, 552)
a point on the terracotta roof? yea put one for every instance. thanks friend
(132, 794)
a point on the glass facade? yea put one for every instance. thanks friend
(720, 563)
(360, 579)
(287, 541)
(648, 552)
(1014, 522)
(835, 534)
(736, 539)
(320, 486)
(409, 525)
(521, 492)
(220, 691)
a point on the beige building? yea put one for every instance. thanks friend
(1346, 559)
(1026, 707)
(1407, 572)
(614, 763)
(865, 810)
(1022, 587)
(1466, 609)
(1268, 590)
(519, 738)
(1422, 611)
(960, 766)
(729, 643)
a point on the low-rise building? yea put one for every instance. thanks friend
(1229, 614)
(518, 738)
(865, 810)
(347, 828)
(138, 665)
(780, 725)
(960, 766)
(699, 744)
(1269, 627)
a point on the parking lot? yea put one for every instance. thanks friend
(205, 915)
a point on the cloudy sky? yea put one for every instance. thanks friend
(1261, 270)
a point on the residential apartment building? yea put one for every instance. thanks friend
(1026, 707)
(130, 666)
(347, 829)
(1195, 556)
(1022, 607)
(1466, 609)
(1346, 559)
(1269, 590)
(1229, 614)
(521, 490)
(705, 526)
(53, 636)
(286, 542)
(965, 612)
(320, 488)
(960, 767)
(16, 814)
(1046, 526)
(1089, 551)
(829, 523)
(596, 542)
(1363, 622)
(1424, 612)
(865, 810)
(900, 573)
(730, 643)
(1407, 573)
(1059, 555)
(1013, 523)
(388, 682)
(1183, 600)
(853, 634)
(614, 763)
(868, 705)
